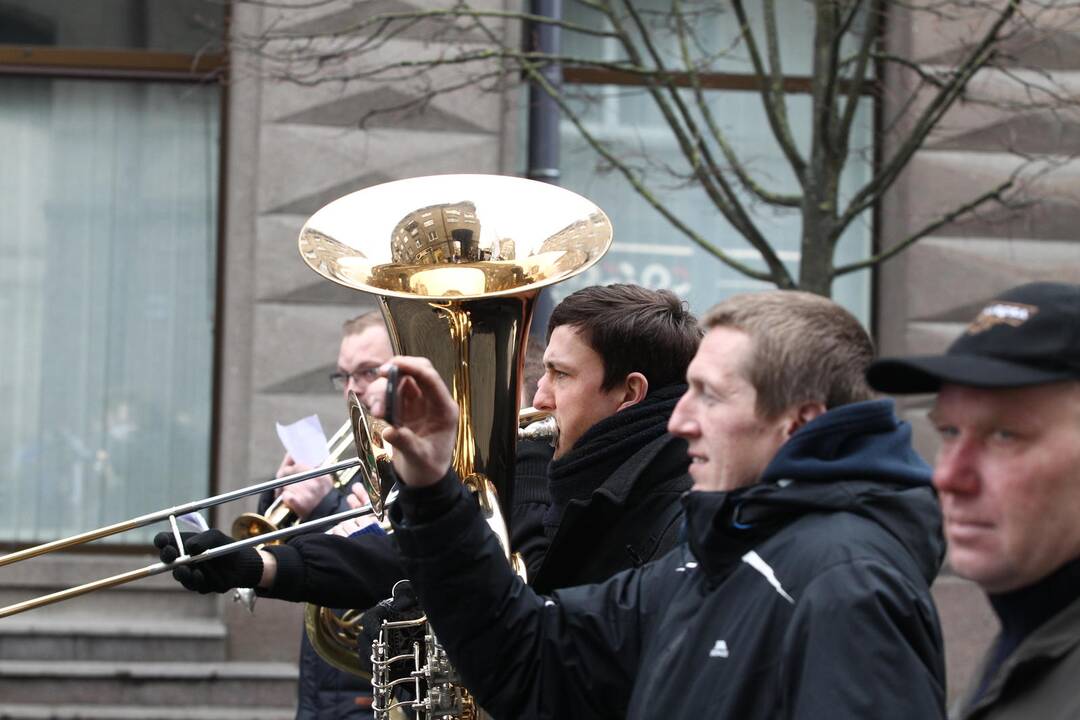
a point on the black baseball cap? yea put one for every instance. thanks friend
(1029, 335)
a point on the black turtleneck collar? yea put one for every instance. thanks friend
(1023, 611)
(605, 446)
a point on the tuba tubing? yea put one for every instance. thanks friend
(456, 263)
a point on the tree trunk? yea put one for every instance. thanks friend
(816, 250)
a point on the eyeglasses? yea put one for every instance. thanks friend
(360, 376)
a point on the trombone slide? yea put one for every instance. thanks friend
(170, 514)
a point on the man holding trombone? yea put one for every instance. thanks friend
(613, 371)
(323, 691)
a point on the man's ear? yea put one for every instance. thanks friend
(802, 414)
(634, 389)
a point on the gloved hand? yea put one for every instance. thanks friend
(403, 605)
(242, 568)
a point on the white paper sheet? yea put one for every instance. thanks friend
(193, 521)
(305, 441)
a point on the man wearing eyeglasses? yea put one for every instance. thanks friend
(365, 345)
(323, 691)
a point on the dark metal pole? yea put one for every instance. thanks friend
(543, 157)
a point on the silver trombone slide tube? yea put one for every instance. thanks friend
(151, 518)
(185, 559)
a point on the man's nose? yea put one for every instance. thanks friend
(543, 399)
(682, 423)
(956, 470)
(357, 386)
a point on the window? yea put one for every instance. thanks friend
(109, 123)
(648, 250)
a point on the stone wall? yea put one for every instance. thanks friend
(928, 294)
(290, 150)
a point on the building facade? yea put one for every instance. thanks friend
(161, 320)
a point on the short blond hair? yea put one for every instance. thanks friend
(806, 349)
(360, 323)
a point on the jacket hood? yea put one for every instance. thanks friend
(856, 458)
(859, 441)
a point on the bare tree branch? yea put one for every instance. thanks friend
(381, 20)
(922, 71)
(714, 182)
(996, 194)
(747, 182)
(670, 55)
(858, 79)
(535, 75)
(944, 99)
(772, 97)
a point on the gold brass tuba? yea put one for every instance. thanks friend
(456, 262)
(335, 635)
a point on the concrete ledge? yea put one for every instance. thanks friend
(150, 670)
(151, 684)
(95, 626)
(140, 712)
(183, 640)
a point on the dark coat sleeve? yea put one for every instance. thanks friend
(863, 643)
(332, 503)
(334, 571)
(527, 535)
(523, 655)
(531, 501)
(265, 499)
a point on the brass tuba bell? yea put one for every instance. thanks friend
(457, 262)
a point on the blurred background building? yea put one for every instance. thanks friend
(157, 319)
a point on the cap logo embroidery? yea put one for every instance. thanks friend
(1001, 313)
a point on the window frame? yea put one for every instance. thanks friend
(148, 66)
(872, 88)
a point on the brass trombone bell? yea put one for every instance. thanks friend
(361, 433)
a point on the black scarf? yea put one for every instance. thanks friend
(604, 447)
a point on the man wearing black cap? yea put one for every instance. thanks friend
(1008, 476)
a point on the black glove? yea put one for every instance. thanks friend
(402, 606)
(242, 568)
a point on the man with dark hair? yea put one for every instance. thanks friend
(802, 590)
(1008, 475)
(614, 368)
(614, 485)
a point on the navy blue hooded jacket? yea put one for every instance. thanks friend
(803, 596)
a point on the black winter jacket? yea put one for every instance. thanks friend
(323, 692)
(804, 596)
(631, 515)
(620, 507)
(360, 571)
(632, 518)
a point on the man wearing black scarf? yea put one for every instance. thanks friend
(613, 371)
